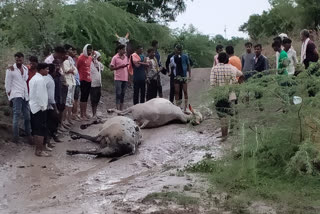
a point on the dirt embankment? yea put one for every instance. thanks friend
(83, 184)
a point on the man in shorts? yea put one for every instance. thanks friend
(180, 66)
(38, 105)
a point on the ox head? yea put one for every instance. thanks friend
(196, 117)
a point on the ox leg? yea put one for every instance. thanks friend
(76, 152)
(75, 135)
(144, 124)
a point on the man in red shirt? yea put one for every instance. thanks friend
(83, 66)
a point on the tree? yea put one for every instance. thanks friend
(152, 10)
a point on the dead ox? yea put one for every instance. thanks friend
(158, 112)
(118, 136)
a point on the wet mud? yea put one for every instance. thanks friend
(85, 184)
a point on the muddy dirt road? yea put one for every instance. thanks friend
(83, 184)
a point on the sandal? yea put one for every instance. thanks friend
(42, 154)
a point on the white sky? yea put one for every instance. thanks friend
(211, 16)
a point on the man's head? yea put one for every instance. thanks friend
(33, 62)
(74, 52)
(286, 44)
(155, 44)
(121, 50)
(151, 53)
(19, 59)
(89, 50)
(258, 49)
(276, 45)
(248, 46)
(59, 52)
(304, 35)
(219, 48)
(69, 49)
(43, 69)
(57, 65)
(178, 49)
(230, 50)
(139, 50)
(223, 58)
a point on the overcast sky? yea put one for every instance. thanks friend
(211, 16)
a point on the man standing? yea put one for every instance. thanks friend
(38, 106)
(180, 66)
(283, 61)
(155, 46)
(219, 49)
(74, 56)
(83, 66)
(260, 61)
(172, 92)
(119, 64)
(152, 73)
(59, 53)
(137, 63)
(247, 60)
(224, 74)
(292, 55)
(32, 68)
(309, 51)
(17, 91)
(95, 93)
(233, 60)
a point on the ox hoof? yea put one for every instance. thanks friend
(74, 137)
(70, 152)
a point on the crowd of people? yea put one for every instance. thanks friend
(47, 93)
(229, 69)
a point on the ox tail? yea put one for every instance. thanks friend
(75, 136)
(76, 152)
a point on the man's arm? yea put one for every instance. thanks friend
(242, 62)
(212, 77)
(8, 82)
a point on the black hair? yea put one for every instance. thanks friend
(276, 44)
(89, 47)
(286, 41)
(154, 43)
(42, 66)
(150, 50)
(74, 49)
(305, 33)
(219, 47)
(33, 59)
(52, 68)
(60, 49)
(278, 38)
(258, 46)
(19, 55)
(179, 47)
(223, 57)
(67, 47)
(248, 44)
(229, 50)
(120, 47)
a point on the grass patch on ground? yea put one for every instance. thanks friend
(176, 197)
(276, 144)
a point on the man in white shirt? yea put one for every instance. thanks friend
(38, 105)
(17, 92)
(95, 92)
(292, 55)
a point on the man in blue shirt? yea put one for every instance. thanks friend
(180, 66)
(155, 46)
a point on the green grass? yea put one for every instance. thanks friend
(276, 144)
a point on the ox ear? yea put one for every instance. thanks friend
(191, 109)
(127, 35)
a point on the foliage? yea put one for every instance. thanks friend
(276, 153)
(152, 10)
(284, 16)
